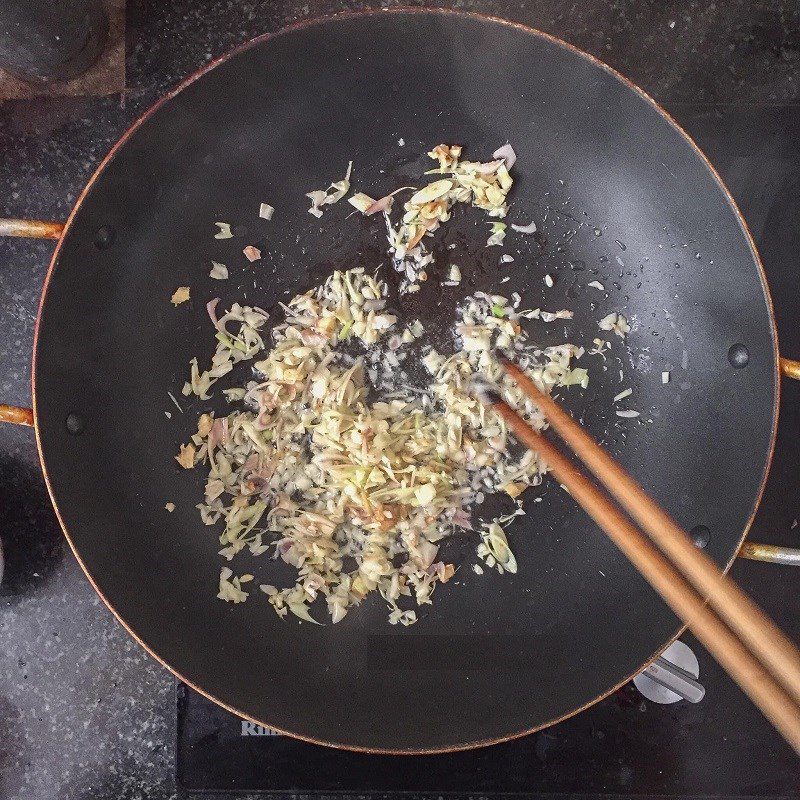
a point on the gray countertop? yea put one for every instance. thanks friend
(84, 712)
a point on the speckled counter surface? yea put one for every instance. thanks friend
(84, 713)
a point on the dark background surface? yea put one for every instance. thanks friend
(83, 712)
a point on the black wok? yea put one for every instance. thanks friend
(621, 196)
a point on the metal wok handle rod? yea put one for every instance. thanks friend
(790, 368)
(16, 415)
(31, 229)
(770, 553)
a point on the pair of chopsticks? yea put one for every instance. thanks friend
(749, 646)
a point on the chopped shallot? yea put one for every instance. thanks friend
(251, 253)
(461, 517)
(218, 271)
(489, 167)
(385, 203)
(211, 307)
(615, 322)
(186, 456)
(498, 234)
(332, 457)
(506, 152)
(361, 201)
(550, 316)
(333, 194)
(180, 295)
(314, 464)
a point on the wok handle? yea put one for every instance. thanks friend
(775, 554)
(16, 415)
(31, 229)
(770, 553)
(790, 368)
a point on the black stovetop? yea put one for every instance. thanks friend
(624, 745)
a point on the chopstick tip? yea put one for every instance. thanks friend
(483, 390)
(506, 363)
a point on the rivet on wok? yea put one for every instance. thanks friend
(739, 356)
(104, 237)
(701, 536)
(75, 423)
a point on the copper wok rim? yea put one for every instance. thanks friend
(300, 25)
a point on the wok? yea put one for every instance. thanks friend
(621, 195)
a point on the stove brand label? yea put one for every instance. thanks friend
(251, 729)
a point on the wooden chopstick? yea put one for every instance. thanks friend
(729, 601)
(730, 651)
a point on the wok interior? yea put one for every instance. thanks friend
(494, 655)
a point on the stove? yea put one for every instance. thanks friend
(103, 728)
(624, 745)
